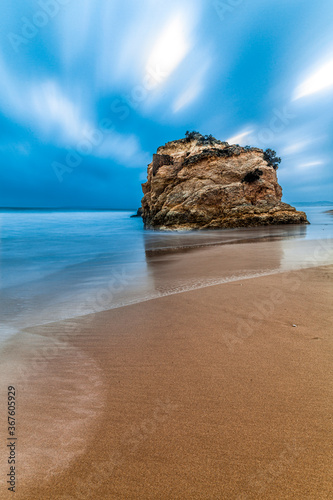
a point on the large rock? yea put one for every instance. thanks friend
(202, 183)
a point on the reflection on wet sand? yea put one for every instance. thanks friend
(176, 264)
(166, 241)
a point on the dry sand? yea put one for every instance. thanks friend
(208, 394)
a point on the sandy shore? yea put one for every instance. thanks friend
(208, 394)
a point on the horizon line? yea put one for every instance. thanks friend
(64, 208)
(125, 209)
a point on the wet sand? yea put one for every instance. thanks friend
(207, 394)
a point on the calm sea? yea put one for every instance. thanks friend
(57, 264)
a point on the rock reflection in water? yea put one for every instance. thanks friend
(190, 260)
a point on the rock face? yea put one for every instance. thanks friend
(203, 183)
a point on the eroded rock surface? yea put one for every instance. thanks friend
(202, 183)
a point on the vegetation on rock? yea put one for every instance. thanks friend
(271, 158)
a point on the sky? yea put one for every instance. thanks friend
(89, 89)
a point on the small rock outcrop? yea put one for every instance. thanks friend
(138, 213)
(202, 183)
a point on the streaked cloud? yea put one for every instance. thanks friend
(195, 85)
(125, 149)
(295, 148)
(187, 97)
(170, 48)
(320, 80)
(240, 137)
(55, 114)
(315, 163)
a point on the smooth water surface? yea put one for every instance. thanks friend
(57, 264)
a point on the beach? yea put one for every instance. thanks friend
(166, 250)
(223, 391)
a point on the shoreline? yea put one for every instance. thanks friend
(171, 273)
(97, 274)
(211, 393)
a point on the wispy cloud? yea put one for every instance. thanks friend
(240, 137)
(309, 164)
(170, 48)
(125, 149)
(321, 79)
(61, 121)
(195, 85)
(41, 105)
(296, 147)
(55, 114)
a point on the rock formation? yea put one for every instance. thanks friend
(138, 213)
(202, 183)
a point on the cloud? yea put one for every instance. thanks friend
(187, 97)
(59, 120)
(43, 106)
(302, 171)
(239, 138)
(310, 164)
(55, 114)
(320, 80)
(125, 149)
(196, 84)
(170, 48)
(295, 147)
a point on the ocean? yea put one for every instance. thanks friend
(58, 264)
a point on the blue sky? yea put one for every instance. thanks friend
(90, 88)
